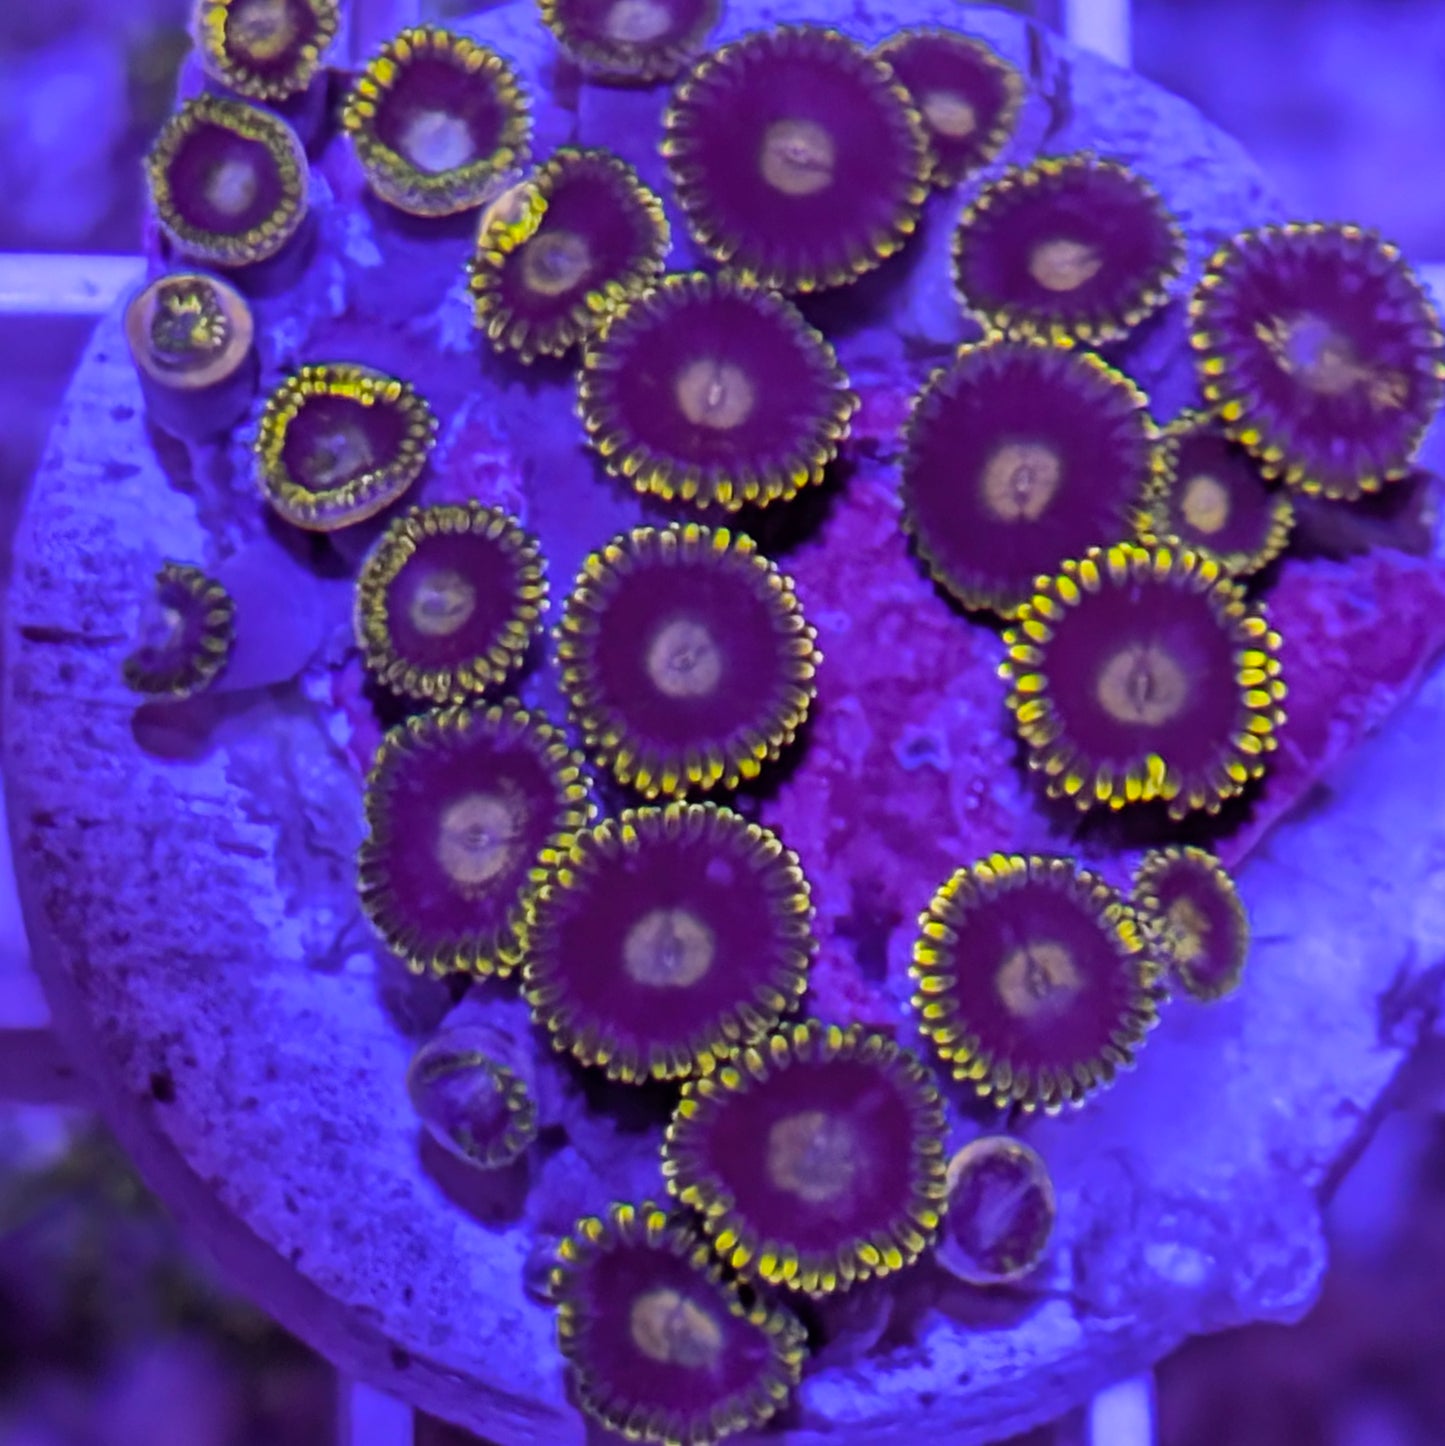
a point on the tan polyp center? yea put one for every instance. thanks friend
(554, 262)
(715, 394)
(1186, 929)
(669, 1328)
(815, 1156)
(684, 660)
(262, 29)
(1205, 504)
(1142, 683)
(443, 602)
(634, 22)
(477, 838)
(949, 113)
(1063, 264)
(1038, 979)
(797, 157)
(337, 456)
(232, 186)
(1311, 350)
(668, 949)
(436, 141)
(1020, 480)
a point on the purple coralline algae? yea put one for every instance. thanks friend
(859, 519)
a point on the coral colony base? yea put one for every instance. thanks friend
(881, 456)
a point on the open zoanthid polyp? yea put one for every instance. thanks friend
(1319, 351)
(815, 1157)
(632, 42)
(1017, 456)
(1207, 493)
(1142, 674)
(448, 600)
(337, 443)
(185, 635)
(1067, 246)
(797, 157)
(228, 182)
(1191, 911)
(1034, 983)
(714, 391)
(668, 939)
(465, 810)
(265, 50)
(686, 660)
(663, 1347)
(581, 236)
(966, 94)
(438, 122)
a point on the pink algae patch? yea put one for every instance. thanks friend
(1359, 637)
(910, 768)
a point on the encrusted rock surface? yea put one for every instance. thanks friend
(188, 873)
